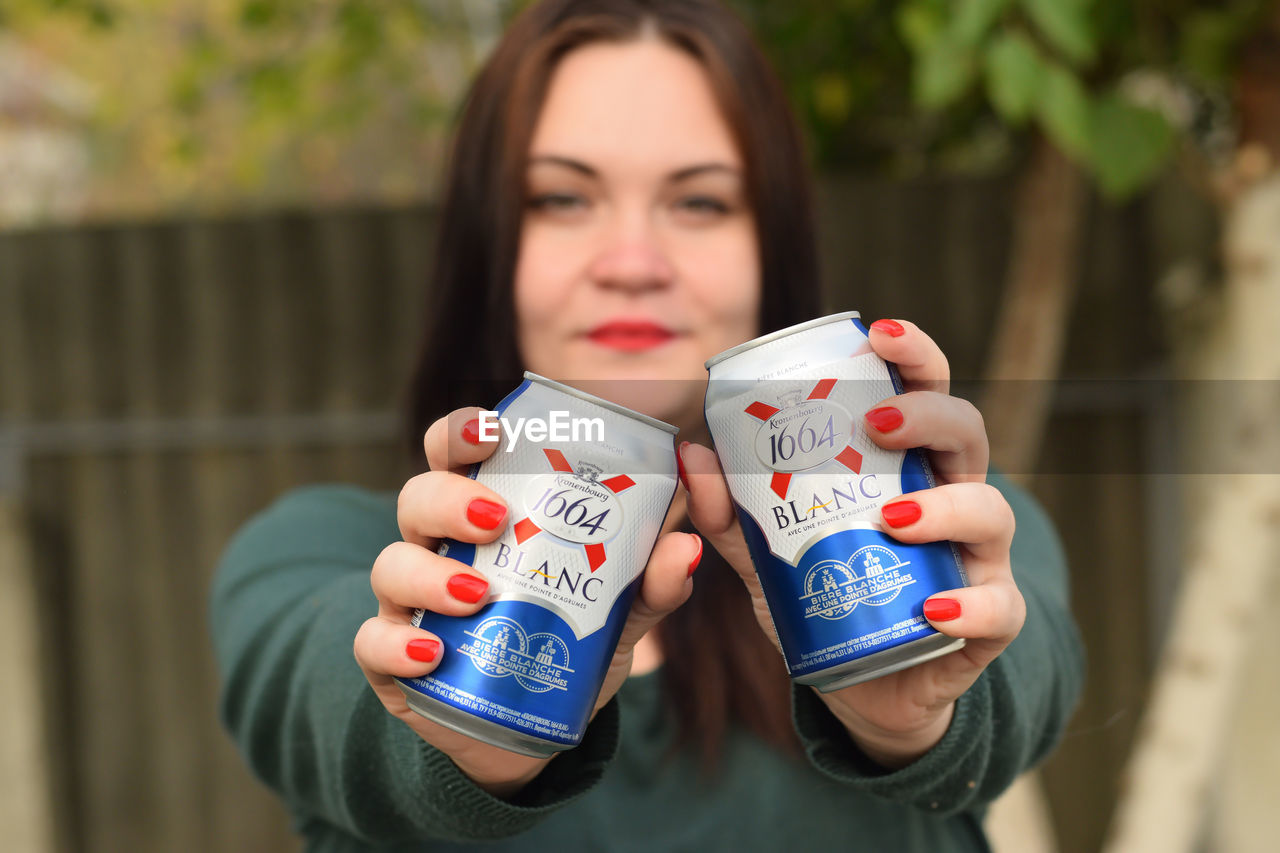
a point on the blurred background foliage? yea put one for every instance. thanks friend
(953, 85)
(204, 105)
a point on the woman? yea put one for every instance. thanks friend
(662, 217)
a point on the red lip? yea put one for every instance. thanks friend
(630, 335)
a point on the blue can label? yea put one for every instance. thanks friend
(584, 518)
(808, 484)
(520, 666)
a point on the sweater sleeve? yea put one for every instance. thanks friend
(1008, 721)
(290, 593)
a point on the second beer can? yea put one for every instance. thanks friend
(846, 599)
(587, 485)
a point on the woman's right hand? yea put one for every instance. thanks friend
(407, 575)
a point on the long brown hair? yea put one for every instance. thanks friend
(719, 668)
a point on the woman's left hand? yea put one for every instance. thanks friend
(897, 718)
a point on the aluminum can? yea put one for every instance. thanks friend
(585, 508)
(785, 412)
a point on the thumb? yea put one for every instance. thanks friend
(666, 585)
(711, 508)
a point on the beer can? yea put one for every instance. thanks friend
(587, 485)
(785, 412)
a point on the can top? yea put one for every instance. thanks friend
(781, 333)
(599, 401)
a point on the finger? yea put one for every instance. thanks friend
(920, 361)
(973, 514)
(992, 612)
(386, 649)
(951, 427)
(441, 503)
(710, 506)
(665, 587)
(406, 577)
(460, 439)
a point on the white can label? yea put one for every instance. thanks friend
(576, 506)
(803, 435)
(792, 444)
(583, 516)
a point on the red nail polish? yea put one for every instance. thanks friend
(901, 513)
(941, 609)
(885, 418)
(892, 328)
(471, 431)
(423, 650)
(697, 558)
(485, 513)
(684, 478)
(468, 588)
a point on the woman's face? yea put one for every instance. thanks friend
(638, 257)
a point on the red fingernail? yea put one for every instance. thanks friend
(941, 609)
(697, 558)
(901, 513)
(485, 513)
(684, 478)
(471, 431)
(890, 327)
(885, 418)
(468, 588)
(423, 650)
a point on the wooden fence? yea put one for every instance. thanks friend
(161, 382)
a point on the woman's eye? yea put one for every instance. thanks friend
(703, 204)
(556, 201)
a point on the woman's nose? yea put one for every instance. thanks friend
(632, 260)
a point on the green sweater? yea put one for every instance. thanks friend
(293, 589)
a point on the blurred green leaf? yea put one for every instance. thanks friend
(1129, 145)
(258, 14)
(974, 18)
(361, 25)
(832, 97)
(1064, 111)
(1065, 24)
(186, 94)
(274, 87)
(187, 148)
(1014, 76)
(920, 24)
(99, 14)
(1208, 41)
(942, 74)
